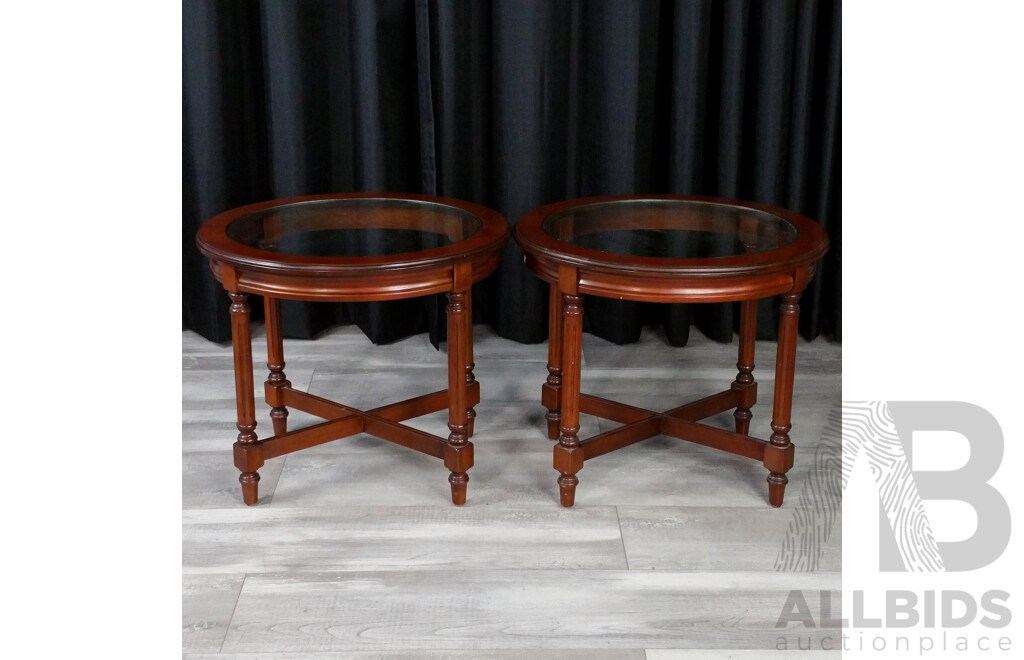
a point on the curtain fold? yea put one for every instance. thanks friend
(511, 105)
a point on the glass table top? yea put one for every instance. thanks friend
(666, 228)
(357, 227)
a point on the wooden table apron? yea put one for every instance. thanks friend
(574, 272)
(453, 272)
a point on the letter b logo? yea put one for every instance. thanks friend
(883, 431)
(967, 484)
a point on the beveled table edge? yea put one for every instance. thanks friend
(810, 245)
(213, 242)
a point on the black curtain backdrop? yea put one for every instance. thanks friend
(512, 104)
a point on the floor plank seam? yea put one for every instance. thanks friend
(316, 574)
(622, 537)
(234, 608)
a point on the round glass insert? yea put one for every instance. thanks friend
(672, 229)
(357, 227)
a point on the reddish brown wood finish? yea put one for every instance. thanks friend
(778, 457)
(458, 455)
(676, 278)
(451, 269)
(213, 241)
(568, 457)
(311, 436)
(706, 407)
(551, 392)
(744, 382)
(396, 412)
(248, 454)
(470, 365)
(275, 363)
(574, 271)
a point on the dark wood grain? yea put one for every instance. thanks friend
(568, 456)
(467, 348)
(574, 271)
(248, 454)
(275, 363)
(779, 458)
(213, 241)
(458, 455)
(551, 392)
(810, 245)
(452, 269)
(744, 382)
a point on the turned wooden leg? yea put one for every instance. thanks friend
(551, 392)
(568, 454)
(275, 363)
(470, 365)
(248, 452)
(778, 455)
(458, 455)
(744, 382)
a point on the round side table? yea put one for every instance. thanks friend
(669, 248)
(352, 247)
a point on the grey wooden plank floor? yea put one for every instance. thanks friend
(354, 550)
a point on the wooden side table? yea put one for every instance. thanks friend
(353, 247)
(669, 248)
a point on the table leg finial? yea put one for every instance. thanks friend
(776, 488)
(250, 487)
(459, 481)
(567, 489)
(568, 460)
